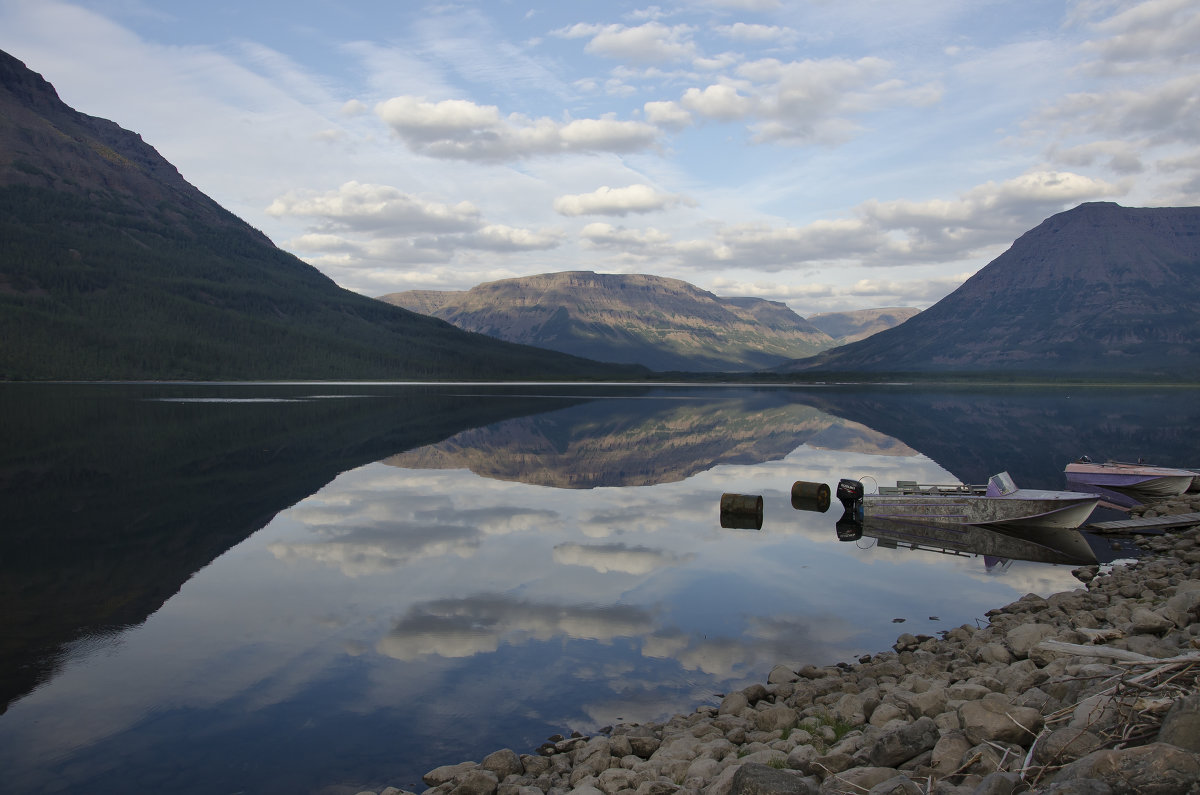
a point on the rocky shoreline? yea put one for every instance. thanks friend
(1087, 692)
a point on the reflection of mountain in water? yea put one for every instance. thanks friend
(1033, 433)
(112, 499)
(640, 442)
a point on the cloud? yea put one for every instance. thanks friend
(366, 207)
(498, 237)
(756, 34)
(667, 114)
(461, 130)
(649, 43)
(616, 201)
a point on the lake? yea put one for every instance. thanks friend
(291, 588)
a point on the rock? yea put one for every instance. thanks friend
(733, 704)
(1147, 622)
(857, 780)
(775, 718)
(897, 785)
(1155, 769)
(644, 746)
(902, 744)
(476, 782)
(756, 779)
(616, 779)
(994, 718)
(1000, 783)
(1181, 726)
(780, 674)
(1066, 745)
(447, 773)
(503, 763)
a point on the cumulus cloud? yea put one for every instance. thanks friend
(461, 130)
(367, 207)
(649, 43)
(498, 237)
(667, 114)
(756, 34)
(616, 201)
(803, 102)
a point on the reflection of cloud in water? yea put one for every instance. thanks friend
(472, 625)
(617, 557)
(500, 520)
(372, 550)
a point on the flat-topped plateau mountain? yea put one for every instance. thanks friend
(664, 324)
(1100, 291)
(112, 266)
(847, 327)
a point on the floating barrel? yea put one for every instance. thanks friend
(742, 511)
(810, 496)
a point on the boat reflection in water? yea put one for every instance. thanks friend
(1040, 545)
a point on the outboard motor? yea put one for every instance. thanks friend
(850, 494)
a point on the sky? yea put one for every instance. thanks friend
(830, 154)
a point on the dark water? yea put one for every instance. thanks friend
(326, 588)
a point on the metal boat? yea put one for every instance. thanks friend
(1135, 482)
(998, 504)
(994, 545)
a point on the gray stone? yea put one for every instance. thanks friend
(476, 782)
(776, 718)
(503, 763)
(616, 779)
(1000, 783)
(902, 744)
(994, 718)
(756, 779)
(446, 773)
(857, 780)
(1065, 745)
(644, 746)
(733, 704)
(1147, 622)
(948, 752)
(1181, 726)
(1156, 769)
(897, 785)
(781, 674)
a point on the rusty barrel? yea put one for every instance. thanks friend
(810, 496)
(742, 511)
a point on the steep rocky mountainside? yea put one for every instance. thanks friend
(663, 324)
(1100, 291)
(112, 266)
(847, 327)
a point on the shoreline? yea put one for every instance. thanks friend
(1091, 690)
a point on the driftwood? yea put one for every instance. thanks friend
(1083, 650)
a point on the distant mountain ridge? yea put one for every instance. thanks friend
(112, 266)
(660, 323)
(847, 327)
(1099, 291)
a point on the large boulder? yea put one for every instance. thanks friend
(904, 743)
(1155, 769)
(1181, 726)
(994, 718)
(756, 779)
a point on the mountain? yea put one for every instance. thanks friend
(112, 266)
(847, 327)
(663, 324)
(1100, 291)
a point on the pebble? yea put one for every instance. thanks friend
(1037, 701)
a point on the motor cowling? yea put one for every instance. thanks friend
(849, 493)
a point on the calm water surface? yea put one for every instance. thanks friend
(326, 588)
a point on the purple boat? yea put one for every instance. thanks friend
(1135, 482)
